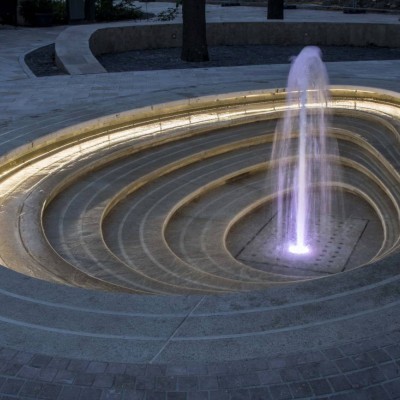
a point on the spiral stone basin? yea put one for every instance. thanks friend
(175, 199)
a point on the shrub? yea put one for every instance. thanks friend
(31, 7)
(107, 10)
(168, 15)
(59, 12)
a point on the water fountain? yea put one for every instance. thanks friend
(306, 158)
(168, 199)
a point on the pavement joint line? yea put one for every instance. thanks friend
(152, 361)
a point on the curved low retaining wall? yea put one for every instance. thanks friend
(126, 38)
(77, 47)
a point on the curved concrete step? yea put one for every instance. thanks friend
(145, 268)
(76, 206)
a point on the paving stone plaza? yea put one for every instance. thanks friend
(337, 337)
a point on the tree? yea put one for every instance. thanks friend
(90, 10)
(194, 42)
(275, 9)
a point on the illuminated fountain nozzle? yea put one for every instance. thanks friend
(299, 249)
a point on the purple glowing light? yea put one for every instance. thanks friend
(299, 249)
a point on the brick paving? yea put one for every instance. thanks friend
(367, 369)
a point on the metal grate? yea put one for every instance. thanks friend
(329, 251)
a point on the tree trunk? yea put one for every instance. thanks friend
(194, 44)
(90, 10)
(275, 9)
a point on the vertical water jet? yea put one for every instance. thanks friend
(304, 157)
